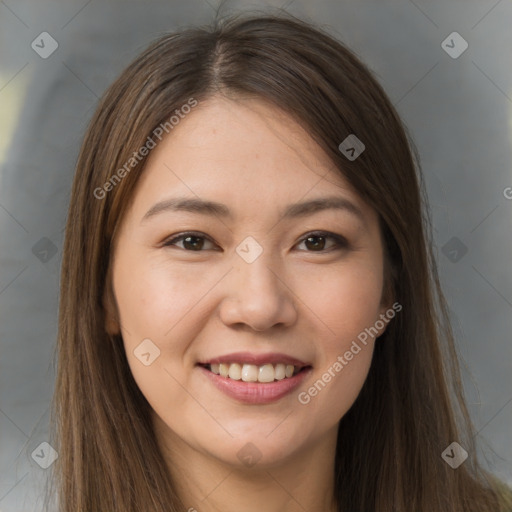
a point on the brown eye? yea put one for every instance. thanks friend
(191, 241)
(316, 242)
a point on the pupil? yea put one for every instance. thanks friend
(186, 241)
(317, 246)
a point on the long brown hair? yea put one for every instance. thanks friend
(411, 407)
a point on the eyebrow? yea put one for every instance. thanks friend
(292, 211)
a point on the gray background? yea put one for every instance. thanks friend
(458, 110)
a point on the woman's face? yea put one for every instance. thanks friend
(272, 276)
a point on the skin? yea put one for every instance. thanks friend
(304, 299)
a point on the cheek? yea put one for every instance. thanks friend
(164, 305)
(156, 313)
(332, 393)
(347, 304)
(346, 300)
(154, 299)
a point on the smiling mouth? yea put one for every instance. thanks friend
(265, 373)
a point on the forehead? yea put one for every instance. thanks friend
(246, 153)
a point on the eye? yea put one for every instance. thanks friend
(192, 241)
(318, 240)
(315, 242)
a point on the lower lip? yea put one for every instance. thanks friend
(256, 392)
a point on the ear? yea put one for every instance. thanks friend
(112, 326)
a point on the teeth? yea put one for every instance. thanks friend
(249, 373)
(280, 371)
(223, 369)
(235, 371)
(266, 373)
(253, 373)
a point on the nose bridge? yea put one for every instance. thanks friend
(257, 295)
(255, 265)
(260, 277)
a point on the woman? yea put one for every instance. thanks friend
(250, 315)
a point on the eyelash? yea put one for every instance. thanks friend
(341, 242)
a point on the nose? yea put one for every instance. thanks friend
(257, 296)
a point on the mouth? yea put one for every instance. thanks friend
(246, 372)
(255, 379)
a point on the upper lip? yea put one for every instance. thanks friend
(256, 359)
